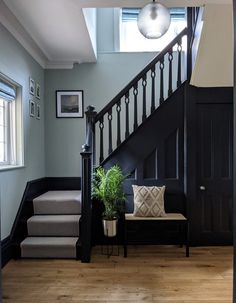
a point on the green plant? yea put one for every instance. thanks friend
(107, 188)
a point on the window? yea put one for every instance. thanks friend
(10, 126)
(131, 40)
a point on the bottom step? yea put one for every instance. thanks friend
(49, 247)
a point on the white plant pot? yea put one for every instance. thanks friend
(110, 227)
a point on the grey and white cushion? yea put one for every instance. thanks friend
(149, 201)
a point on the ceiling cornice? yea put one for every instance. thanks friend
(59, 65)
(9, 21)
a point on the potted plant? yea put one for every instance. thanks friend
(107, 188)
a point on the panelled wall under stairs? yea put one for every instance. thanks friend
(186, 145)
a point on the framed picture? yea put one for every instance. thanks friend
(32, 86)
(38, 112)
(69, 104)
(31, 108)
(38, 90)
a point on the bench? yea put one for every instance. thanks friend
(175, 214)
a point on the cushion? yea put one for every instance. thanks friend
(149, 201)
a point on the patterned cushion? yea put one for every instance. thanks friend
(149, 201)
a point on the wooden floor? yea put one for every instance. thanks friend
(149, 274)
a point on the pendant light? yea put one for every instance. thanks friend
(153, 20)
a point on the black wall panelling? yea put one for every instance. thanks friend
(63, 183)
(6, 252)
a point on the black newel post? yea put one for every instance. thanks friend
(88, 162)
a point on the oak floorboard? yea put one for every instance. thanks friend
(150, 274)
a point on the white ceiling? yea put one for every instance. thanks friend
(55, 32)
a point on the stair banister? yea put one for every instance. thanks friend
(126, 107)
(139, 76)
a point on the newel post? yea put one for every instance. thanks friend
(86, 213)
(88, 160)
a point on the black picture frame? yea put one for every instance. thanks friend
(69, 104)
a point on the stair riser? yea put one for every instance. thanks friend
(56, 208)
(65, 229)
(48, 252)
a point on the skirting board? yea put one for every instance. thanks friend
(6, 251)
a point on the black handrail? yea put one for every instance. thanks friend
(139, 76)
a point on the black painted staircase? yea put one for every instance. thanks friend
(142, 127)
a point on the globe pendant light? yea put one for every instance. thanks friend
(153, 20)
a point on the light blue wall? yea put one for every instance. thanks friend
(18, 65)
(105, 30)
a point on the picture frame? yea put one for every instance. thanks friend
(31, 86)
(38, 112)
(69, 104)
(37, 91)
(31, 108)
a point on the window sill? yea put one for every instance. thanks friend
(10, 167)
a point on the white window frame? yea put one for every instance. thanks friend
(5, 106)
(14, 152)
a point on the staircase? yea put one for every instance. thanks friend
(53, 230)
(144, 106)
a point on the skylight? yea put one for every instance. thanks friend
(132, 41)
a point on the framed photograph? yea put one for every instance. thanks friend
(38, 112)
(37, 91)
(32, 86)
(69, 104)
(31, 108)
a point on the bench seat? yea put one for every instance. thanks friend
(168, 217)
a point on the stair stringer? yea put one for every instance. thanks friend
(154, 153)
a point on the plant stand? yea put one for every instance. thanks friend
(111, 245)
(110, 250)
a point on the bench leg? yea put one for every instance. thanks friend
(181, 234)
(187, 238)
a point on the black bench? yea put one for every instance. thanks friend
(175, 207)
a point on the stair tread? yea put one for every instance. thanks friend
(60, 196)
(54, 218)
(49, 241)
(58, 202)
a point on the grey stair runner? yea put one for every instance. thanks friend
(49, 247)
(58, 202)
(54, 225)
(53, 231)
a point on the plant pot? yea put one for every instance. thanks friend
(110, 227)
